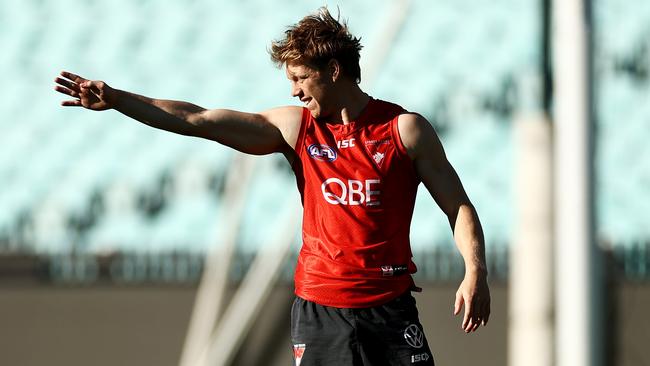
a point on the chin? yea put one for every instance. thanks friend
(318, 114)
(315, 113)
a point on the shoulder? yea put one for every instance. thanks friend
(287, 119)
(283, 115)
(417, 134)
(383, 109)
(412, 123)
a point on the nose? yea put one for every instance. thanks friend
(295, 90)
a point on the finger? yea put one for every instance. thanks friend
(473, 322)
(486, 313)
(67, 83)
(71, 103)
(468, 313)
(478, 314)
(477, 323)
(458, 303)
(66, 91)
(481, 314)
(74, 77)
(470, 310)
(470, 324)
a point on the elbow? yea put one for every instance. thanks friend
(460, 207)
(467, 209)
(462, 212)
(195, 119)
(196, 125)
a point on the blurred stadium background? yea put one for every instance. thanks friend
(105, 223)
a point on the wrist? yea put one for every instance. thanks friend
(116, 98)
(478, 270)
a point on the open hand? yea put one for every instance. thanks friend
(474, 293)
(90, 94)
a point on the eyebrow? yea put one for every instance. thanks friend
(297, 73)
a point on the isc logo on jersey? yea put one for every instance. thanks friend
(344, 144)
(353, 192)
(321, 152)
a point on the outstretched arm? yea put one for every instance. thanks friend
(445, 187)
(271, 131)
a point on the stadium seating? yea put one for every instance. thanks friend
(622, 101)
(459, 63)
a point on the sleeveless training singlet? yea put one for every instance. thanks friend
(358, 188)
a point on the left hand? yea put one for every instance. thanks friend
(474, 293)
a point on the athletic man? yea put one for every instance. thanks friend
(358, 162)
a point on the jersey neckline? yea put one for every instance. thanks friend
(356, 123)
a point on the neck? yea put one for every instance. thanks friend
(351, 104)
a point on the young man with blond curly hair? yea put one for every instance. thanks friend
(358, 162)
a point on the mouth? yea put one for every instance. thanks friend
(306, 101)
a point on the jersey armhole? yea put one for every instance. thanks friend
(398, 139)
(304, 120)
(401, 149)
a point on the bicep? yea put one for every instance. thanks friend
(252, 133)
(431, 164)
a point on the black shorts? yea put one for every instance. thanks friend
(389, 334)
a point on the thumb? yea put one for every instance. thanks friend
(458, 303)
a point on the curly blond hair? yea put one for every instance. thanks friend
(317, 39)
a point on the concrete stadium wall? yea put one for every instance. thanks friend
(42, 324)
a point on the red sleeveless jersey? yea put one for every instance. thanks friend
(358, 188)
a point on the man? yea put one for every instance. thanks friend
(358, 162)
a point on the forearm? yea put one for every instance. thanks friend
(468, 236)
(473, 291)
(169, 115)
(250, 133)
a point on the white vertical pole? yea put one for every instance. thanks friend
(210, 295)
(530, 317)
(575, 274)
(251, 296)
(379, 50)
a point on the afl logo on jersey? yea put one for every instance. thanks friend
(321, 152)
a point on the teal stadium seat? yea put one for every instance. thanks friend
(446, 61)
(622, 112)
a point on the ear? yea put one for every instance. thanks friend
(334, 69)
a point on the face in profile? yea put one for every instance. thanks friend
(313, 87)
